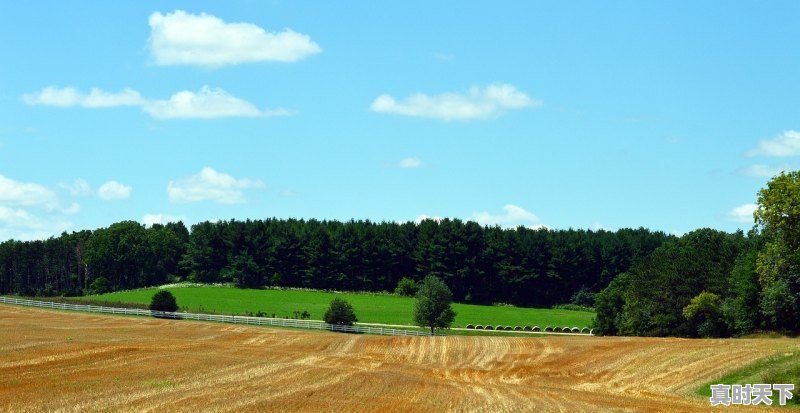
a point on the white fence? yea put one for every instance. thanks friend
(235, 319)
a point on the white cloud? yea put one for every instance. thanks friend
(210, 185)
(20, 224)
(70, 97)
(764, 171)
(151, 219)
(423, 217)
(207, 103)
(181, 38)
(512, 217)
(411, 162)
(72, 209)
(785, 144)
(743, 213)
(19, 199)
(78, 188)
(478, 103)
(113, 190)
(17, 193)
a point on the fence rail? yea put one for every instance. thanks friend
(234, 319)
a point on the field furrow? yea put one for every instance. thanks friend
(73, 362)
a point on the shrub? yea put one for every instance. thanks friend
(406, 287)
(583, 298)
(163, 301)
(340, 313)
(100, 285)
(572, 307)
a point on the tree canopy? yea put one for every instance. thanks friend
(340, 312)
(433, 306)
(519, 266)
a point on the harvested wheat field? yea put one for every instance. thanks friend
(59, 361)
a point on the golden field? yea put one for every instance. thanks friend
(65, 362)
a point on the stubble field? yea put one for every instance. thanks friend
(58, 361)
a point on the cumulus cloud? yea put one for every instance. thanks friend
(31, 211)
(20, 224)
(113, 190)
(743, 213)
(210, 185)
(764, 171)
(152, 219)
(423, 217)
(512, 217)
(785, 144)
(478, 103)
(78, 188)
(207, 103)
(17, 193)
(409, 163)
(181, 38)
(70, 97)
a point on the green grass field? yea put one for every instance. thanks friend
(783, 368)
(370, 308)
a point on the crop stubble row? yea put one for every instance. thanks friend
(55, 361)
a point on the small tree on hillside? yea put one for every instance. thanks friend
(340, 313)
(163, 301)
(432, 308)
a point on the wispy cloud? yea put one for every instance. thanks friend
(181, 38)
(66, 97)
(210, 185)
(410, 163)
(478, 103)
(743, 213)
(785, 144)
(78, 188)
(764, 171)
(207, 103)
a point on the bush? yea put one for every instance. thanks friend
(583, 298)
(572, 307)
(163, 301)
(406, 287)
(340, 313)
(100, 285)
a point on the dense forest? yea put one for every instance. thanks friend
(480, 264)
(706, 283)
(709, 283)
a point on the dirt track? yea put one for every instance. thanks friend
(58, 361)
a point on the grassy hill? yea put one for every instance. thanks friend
(370, 308)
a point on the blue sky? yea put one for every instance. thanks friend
(563, 114)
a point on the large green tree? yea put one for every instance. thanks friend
(778, 263)
(433, 306)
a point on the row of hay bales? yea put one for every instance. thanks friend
(548, 329)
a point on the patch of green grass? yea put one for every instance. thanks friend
(370, 308)
(778, 369)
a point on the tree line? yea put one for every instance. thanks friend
(530, 267)
(710, 283)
